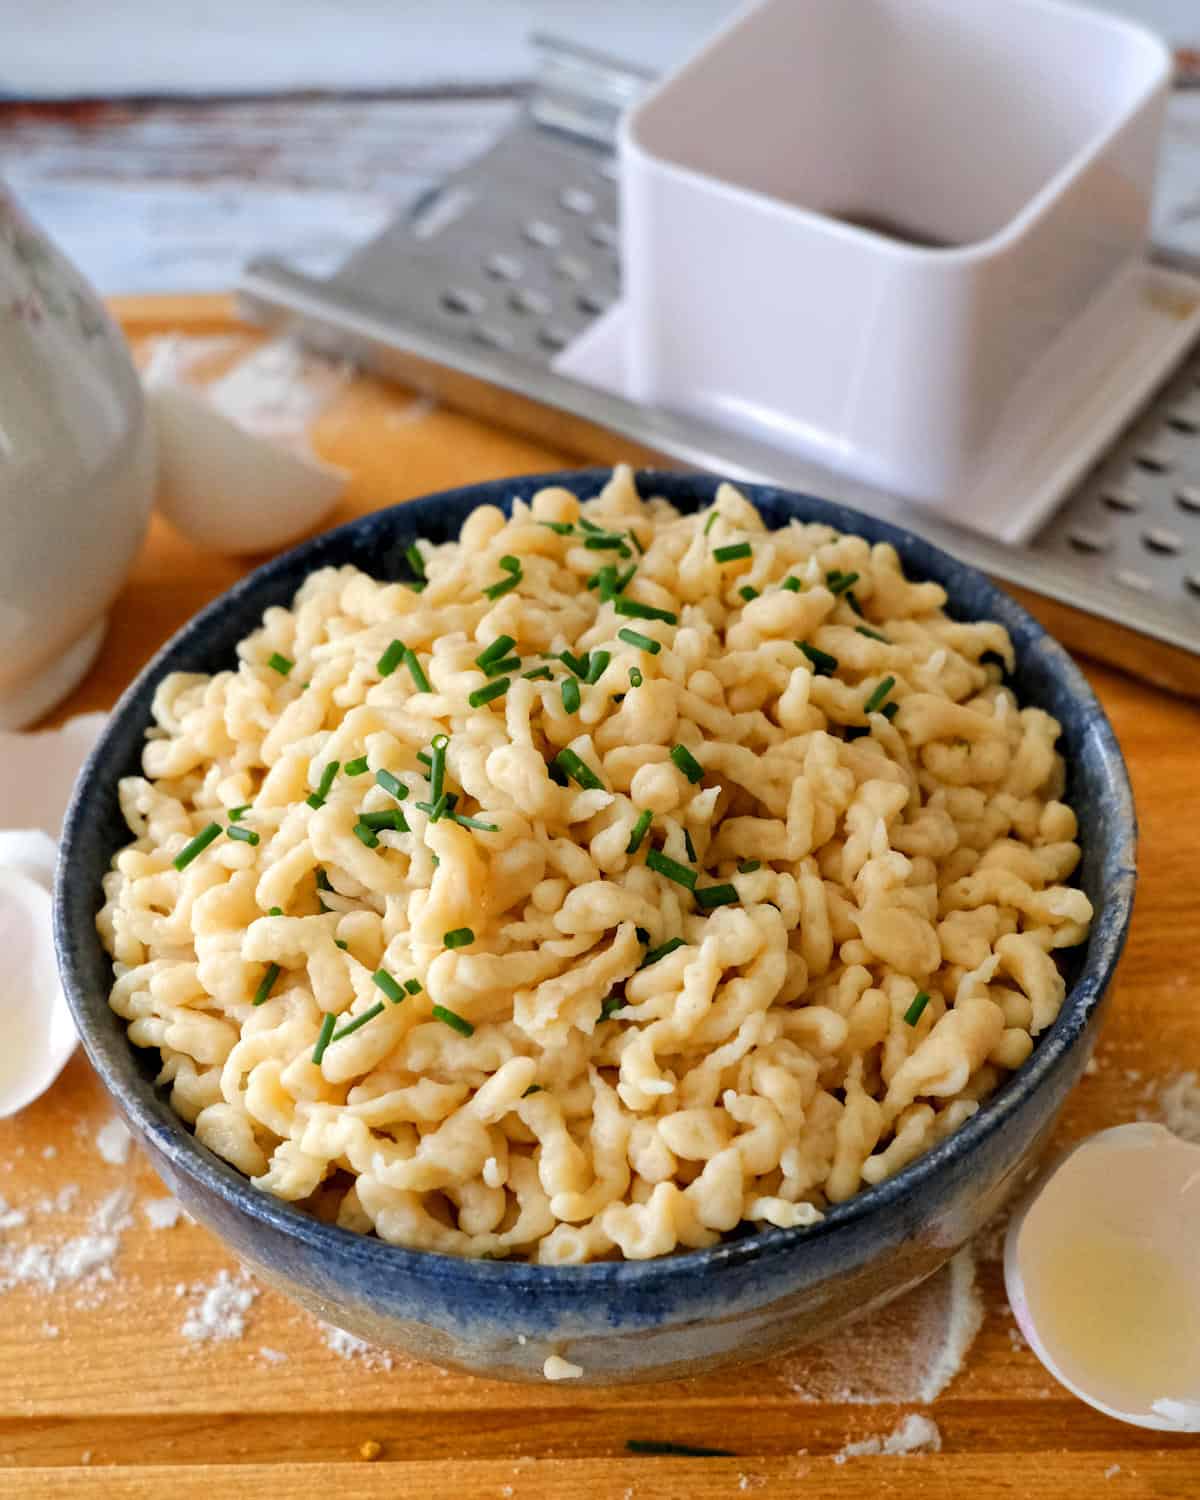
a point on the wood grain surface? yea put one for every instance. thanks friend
(101, 1393)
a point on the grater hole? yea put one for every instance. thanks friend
(577, 200)
(1164, 542)
(1124, 501)
(1131, 580)
(552, 337)
(491, 337)
(525, 301)
(602, 233)
(460, 300)
(572, 268)
(1088, 541)
(1153, 461)
(591, 302)
(503, 267)
(539, 232)
(1188, 498)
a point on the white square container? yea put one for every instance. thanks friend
(1000, 154)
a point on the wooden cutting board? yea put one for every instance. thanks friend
(102, 1392)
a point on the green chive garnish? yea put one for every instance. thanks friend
(570, 695)
(365, 834)
(196, 846)
(716, 895)
(590, 525)
(460, 937)
(636, 638)
(713, 517)
(791, 585)
(391, 659)
(534, 1088)
(416, 671)
(437, 766)
(838, 582)
(323, 786)
(415, 561)
(358, 1022)
(597, 662)
(465, 822)
(576, 664)
(275, 911)
(435, 809)
(748, 593)
(635, 677)
(235, 814)
(267, 985)
(734, 553)
(687, 763)
(889, 711)
(564, 528)
(623, 580)
(384, 981)
(483, 695)
(279, 663)
(913, 1014)
(633, 609)
(748, 866)
(571, 765)
(243, 835)
(606, 542)
(689, 846)
(413, 986)
(501, 646)
(633, 537)
(875, 701)
(852, 601)
(391, 784)
(539, 674)
(338, 943)
(873, 635)
(324, 1036)
(822, 663)
(671, 868)
(510, 564)
(611, 1005)
(639, 831)
(498, 668)
(393, 818)
(506, 585)
(452, 1019)
(424, 759)
(355, 767)
(661, 952)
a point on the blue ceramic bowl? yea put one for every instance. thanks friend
(742, 1300)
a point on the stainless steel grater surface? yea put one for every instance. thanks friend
(472, 292)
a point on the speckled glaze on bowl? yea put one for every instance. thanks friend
(744, 1299)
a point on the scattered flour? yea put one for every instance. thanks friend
(113, 1141)
(49, 1152)
(1179, 1104)
(272, 1356)
(163, 1213)
(557, 1368)
(83, 1258)
(50, 1330)
(1112, 1471)
(11, 1218)
(221, 1311)
(346, 1346)
(916, 1434)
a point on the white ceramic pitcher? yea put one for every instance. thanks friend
(77, 470)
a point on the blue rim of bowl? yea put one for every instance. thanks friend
(114, 1057)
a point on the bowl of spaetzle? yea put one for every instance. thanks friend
(598, 925)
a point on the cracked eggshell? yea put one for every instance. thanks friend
(1102, 1269)
(229, 490)
(39, 1035)
(38, 771)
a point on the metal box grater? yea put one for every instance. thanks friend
(472, 292)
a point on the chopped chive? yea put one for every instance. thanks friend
(873, 635)
(506, 665)
(539, 674)
(384, 981)
(612, 544)
(570, 695)
(713, 517)
(748, 592)
(716, 895)
(465, 822)
(633, 537)
(852, 601)
(459, 937)
(236, 814)
(655, 1449)
(913, 1014)
(838, 582)
(748, 866)
(876, 700)
(483, 695)
(564, 528)
(436, 810)
(604, 579)
(339, 943)
(415, 561)
(501, 646)
(822, 663)
(689, 846)
(661, 952)
(322, 879)
(534, 1088)
(324, 1036)
(280, 663)
(416, 671)
(671, 868)
(393, 819)
(505, 585)
(889, 711)
(243, 835)
(391, 659)
(355, 767)
(624, 579)
(413, 986)
(425, 760)
(597, 662)
(735, 553)
(610, 1005)
(196, 846)
(365, 834)
(452, 1019)
(639, 831)
(576, 664)
(687, 763)
(635, 677)
(633, 609)
(590, 525)
(437, 766)
(391, 784)
(358, 1022)
(266, 985)
(324, 785)
(434, 860)
(578, 770)
(636, 638)
(275, 911)
(510, 564)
